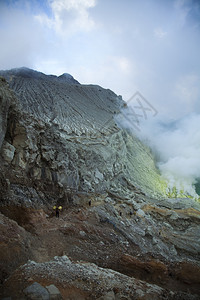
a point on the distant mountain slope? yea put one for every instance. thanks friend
(74, 107)
(32, 74)
(64, 135)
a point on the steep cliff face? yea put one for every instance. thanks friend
(60, 144)
(7, 99)
(63, 134)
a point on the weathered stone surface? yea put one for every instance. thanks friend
(66, 149)
(36, 292)
(8, 152)
(70, 138)
(108, 296)
(153, 268)
(98, 234)
(7, 99)
(89, 281)
(14, 243)
(54, 293)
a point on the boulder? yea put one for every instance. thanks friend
(54, 292)
(8, 152)
(36, 292)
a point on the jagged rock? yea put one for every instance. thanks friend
(100, 235)
(8, 152)
(81, 280)
(61, 135)
(61, 146)
(36, 292)
(140, 213)
(108, 296)
(176, 203)
(54, 292)
(7, 99)
(13, 246)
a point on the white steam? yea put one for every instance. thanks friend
(176, 146)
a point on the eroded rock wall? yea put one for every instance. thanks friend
(60, 145)
(62, 137)
(7, 99)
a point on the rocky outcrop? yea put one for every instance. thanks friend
(146, 245)
(36, 291)
(60, 145)
(65, 136)
(81, 280)
(14, 246)
(7, 102)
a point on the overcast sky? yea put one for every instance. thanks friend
(151, 46)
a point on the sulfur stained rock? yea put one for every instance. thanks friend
(153, 269)
(187, 272)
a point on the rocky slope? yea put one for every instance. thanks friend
(60, 145)
(65, 135)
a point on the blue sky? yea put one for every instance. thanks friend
(151, 46)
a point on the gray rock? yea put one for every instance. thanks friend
(5, 102)
(177, 203)
(62, 259)
(60, 148)
(98, 175)
(54, 292)
(63, 135)
(154, 241)
(82, 233)
(109, 296)
(140, 213)
(174, 216)
(8, 151)
(36, 292)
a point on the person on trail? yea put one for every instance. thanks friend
(90, 202)
(57, 210)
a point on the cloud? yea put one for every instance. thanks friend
(175, 144)
(176, 147)
(69, 16)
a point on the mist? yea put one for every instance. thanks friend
(175, 146)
